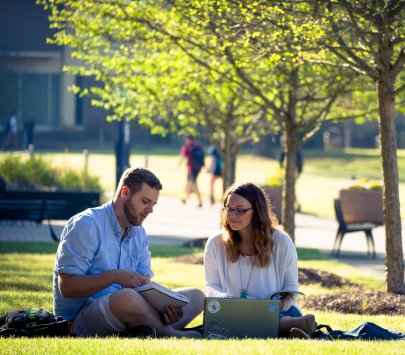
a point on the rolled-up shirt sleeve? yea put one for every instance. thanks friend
(144, 266)
(76, 254)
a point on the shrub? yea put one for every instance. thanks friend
(71, 180)
(364, 184)
(276, 180)
(38, 173)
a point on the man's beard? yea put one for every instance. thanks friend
(131, 214)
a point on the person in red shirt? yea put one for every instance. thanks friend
(193, 153)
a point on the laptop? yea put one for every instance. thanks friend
(226, 318)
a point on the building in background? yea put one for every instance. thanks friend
(33, 83)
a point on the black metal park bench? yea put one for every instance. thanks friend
(37, 206)
(344, 228)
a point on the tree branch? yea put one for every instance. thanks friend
(356, 61)
(399, 90)
(400, 62)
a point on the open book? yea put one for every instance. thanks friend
(159, 296)
(278, 295)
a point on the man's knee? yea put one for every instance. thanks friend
(196, 297)
(127, 303)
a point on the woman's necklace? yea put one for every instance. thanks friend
(244, 290)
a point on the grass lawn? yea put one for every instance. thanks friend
(26, 281)
(26, 268)
(325, 172)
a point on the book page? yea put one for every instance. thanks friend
(159, 296)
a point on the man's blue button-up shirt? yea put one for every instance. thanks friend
(90, 244)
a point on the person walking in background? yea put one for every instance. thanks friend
(103, 255)
(29, 127)
(299, 161)
(252, 258)
(11, 132)
(193, 152)
(215, 169)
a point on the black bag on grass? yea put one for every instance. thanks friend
(32, 322)
(365, 331)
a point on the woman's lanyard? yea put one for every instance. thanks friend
(244, 290)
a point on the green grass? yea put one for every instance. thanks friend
(26, 268)
(173, 346)
(26, 281)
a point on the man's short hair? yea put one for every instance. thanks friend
(135, 177)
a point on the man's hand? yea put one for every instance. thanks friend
(174, 312)
(131, 279)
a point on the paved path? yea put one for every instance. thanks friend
(174, 223)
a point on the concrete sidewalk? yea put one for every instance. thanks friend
(175, 223)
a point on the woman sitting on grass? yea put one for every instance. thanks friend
(252, 259)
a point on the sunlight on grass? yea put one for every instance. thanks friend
(19, 299)
(26, 282)
(26, 268)
(185, 346)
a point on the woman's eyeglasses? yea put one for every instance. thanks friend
(236, 211)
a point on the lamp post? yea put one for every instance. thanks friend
(122, 147)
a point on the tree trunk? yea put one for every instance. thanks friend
(228, 171)
(229, 166)
(288, 214)
(392, 219)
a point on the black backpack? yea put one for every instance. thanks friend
(365, 331)
(197, 157)
(32, 322)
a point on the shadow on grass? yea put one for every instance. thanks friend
(170, 251)
(310, 254)
(345, 155)
(20, 286)
(159, 251)
(28, 247)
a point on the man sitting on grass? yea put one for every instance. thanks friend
(103, 254)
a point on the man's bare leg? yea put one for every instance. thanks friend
(197, 192)
(132, 310)
(189, 190)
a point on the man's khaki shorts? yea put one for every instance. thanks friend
(96, 319)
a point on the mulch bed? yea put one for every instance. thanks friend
(357, 300)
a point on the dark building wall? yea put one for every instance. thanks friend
(24, 26)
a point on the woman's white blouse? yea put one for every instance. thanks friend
(226, 279)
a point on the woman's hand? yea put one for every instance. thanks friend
(283, 298)
(282, 304)
(174, 312)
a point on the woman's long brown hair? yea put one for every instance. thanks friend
(262, 224)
